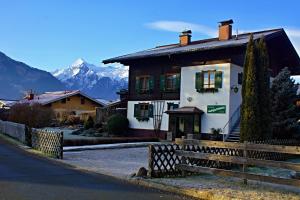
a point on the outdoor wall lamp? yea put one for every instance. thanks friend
(234, 88)
(189, 99)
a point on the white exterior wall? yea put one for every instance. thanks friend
(201, 100)
(235, 98)
(134, 123)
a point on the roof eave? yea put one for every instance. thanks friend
(123, 60)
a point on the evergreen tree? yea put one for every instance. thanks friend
(283, 109)
(263, 84)
(250, 129)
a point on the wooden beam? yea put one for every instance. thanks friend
(239, 160)
(236, 145)
(242, 175)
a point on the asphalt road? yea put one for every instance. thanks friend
(27, 176)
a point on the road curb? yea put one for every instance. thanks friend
(108, 146)
(194, 193)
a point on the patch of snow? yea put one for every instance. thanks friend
(78, 62)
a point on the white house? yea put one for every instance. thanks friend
(191, 87)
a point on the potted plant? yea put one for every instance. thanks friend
(216, 134)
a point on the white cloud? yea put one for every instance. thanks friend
(178, 26)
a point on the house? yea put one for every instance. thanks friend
(190, 87)
(66, 103)
(115, 107)
(6, 104)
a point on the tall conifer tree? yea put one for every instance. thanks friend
(250, 108)
(263, 84)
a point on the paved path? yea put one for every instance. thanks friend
(27, 176)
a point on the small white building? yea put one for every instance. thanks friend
(191, 87)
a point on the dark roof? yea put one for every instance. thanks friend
(185, 110)
(200, 45)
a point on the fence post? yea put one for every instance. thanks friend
(150, 161)
(61, 144)
(245, 156)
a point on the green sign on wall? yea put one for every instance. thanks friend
(216, 109)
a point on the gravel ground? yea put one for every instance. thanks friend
(232, 188)
(115, 162)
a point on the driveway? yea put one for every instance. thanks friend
(27, 176)
(115, 162)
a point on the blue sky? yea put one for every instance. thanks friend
(52, 34)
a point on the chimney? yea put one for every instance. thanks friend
(31, 95)
(185, 37)
(225, 30)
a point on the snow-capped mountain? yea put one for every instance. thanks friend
(97, 81)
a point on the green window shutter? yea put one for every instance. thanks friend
(162, 82)
(177, 82)
(199, 81)
(137, 112)
(137, 84)
(150, 110)
(151, 83)
(218, 79)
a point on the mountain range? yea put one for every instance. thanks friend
(96, 81)
(17, 78)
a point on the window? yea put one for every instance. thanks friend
(196, 124)
(144, 84)
(82, 100)
(208, 81)
(68, 99)
(143, 111)
(63, 101)
(170, 82)
(181, 124)
(172, 106)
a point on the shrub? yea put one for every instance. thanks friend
(4, 114)
(73, 120)
(32, 115)
(117, 124)
(89, 123)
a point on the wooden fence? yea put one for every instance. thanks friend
(48, 142)
(242, 158)
(162, 160)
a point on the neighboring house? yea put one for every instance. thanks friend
(4, 103)
(66, 103)
(118, 106)
(193, 86)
